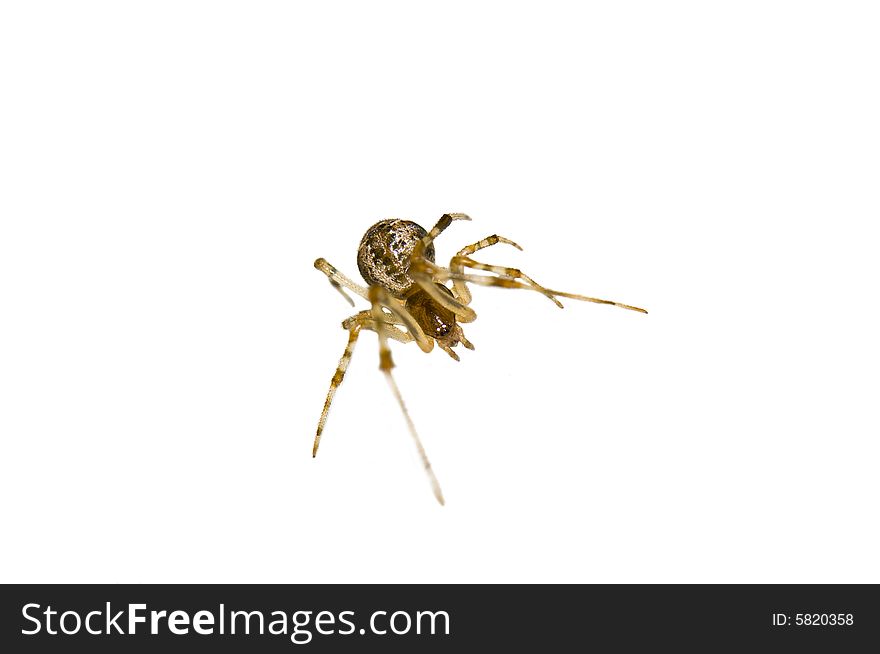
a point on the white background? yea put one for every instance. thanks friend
(170, 171)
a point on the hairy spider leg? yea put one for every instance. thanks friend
(354, 324)
(421, 270)
(444, 222)
(353, 330)
(459, 263)
(462, 292)
(401, 316)
(441, 274)
(365, 320)
(338, 280)
(426, 275)
(379, 298)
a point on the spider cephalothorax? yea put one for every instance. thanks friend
(411, 300)
(436, 321)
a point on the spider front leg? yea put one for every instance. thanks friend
(507, 282)
(508, 276)
(427, 275)
(462, 292)
(381, 300)
(444, 222)
(338, 280)
(422, 271)
(460, 262)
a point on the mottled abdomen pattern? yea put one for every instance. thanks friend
(384, 252)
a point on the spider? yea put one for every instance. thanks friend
(407, 289)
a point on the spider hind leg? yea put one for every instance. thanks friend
(354, 324)
(379, 298)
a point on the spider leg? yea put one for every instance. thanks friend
(427, 275)
(421, 270)
(338, 280)
(399, 315)
(354, 324)
(486, 242)
(462, 292)
(364, 320)
(444, 222)
(449, 350)
(508, 282)
(338, 376)
(459, 263)
(379, 298)
(463, 340)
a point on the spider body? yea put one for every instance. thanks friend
(412, 298)
(384, 259)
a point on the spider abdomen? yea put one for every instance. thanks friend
(384, 254)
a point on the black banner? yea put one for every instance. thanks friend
(257, 618)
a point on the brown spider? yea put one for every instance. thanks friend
(406, 288)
